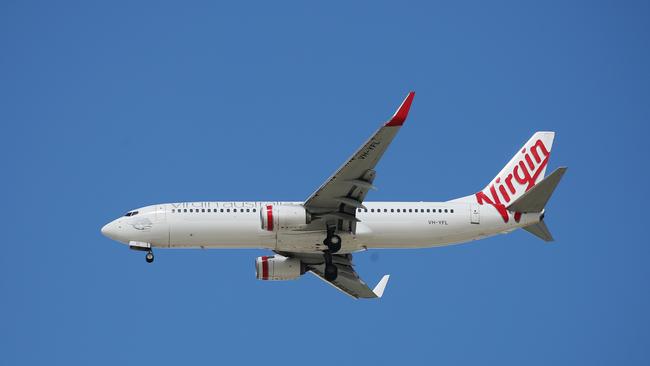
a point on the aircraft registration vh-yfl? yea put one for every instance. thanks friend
(320, 234)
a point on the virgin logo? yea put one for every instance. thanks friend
(522, 177)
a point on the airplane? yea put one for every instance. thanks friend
(320, 234)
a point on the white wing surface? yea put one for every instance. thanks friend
(336, 200)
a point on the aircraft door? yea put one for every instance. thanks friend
(475, 213)
(160, 215)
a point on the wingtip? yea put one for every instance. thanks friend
(402, 112)
(381, 286)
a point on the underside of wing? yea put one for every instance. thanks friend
(347, 281)
(336, 201)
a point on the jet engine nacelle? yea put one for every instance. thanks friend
(283, 217)
(278, 268)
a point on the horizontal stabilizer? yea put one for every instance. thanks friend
(536, 198)
(540, 230)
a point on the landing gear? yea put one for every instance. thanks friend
(332, 241)
(331, 270)
(149, 257)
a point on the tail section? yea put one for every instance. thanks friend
(535, 199)
(540, 230)
(520, 187)
(526, 167)
(522, 172)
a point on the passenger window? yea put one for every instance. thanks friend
(416, 210)
(445, 210)
(185, 210)
(227, 210)
(398, 210)
(234, 210)
(452, 210)
(372, 210)
(439, 210)
(385, 210)
(428, 210)
(410, 210)
(254, 209)
(191, 210)
(392, 210)
(172, 210)
(248, 210)
(203, 210)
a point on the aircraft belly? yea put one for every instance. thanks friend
(312, 242)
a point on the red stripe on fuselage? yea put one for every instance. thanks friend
(265, 268)
(269, 218)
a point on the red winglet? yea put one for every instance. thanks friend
(402, 112)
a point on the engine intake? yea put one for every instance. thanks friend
(283, 217)
(278, 268)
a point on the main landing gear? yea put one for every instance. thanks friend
(149, 256)
(333, 244)
(332, 241)
(331, 270)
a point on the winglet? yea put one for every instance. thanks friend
(381, 286)
(402, 112)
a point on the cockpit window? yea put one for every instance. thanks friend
(131, 213)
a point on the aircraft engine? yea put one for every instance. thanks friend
(283, 217)
(278, 268)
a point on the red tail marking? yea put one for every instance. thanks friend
(521, 174)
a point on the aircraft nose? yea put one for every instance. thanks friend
(111, 231)
(106, 230)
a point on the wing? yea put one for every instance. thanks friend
(348, 280)
(338, 198)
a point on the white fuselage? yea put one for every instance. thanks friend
(381, 225)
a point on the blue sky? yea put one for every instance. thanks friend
(110, 106)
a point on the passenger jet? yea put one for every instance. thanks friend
(320, 234)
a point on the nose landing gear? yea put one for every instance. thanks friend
(142, 247)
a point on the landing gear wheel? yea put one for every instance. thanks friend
(336, 240)
(331, 271)
(149, 257)
(333, 243)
